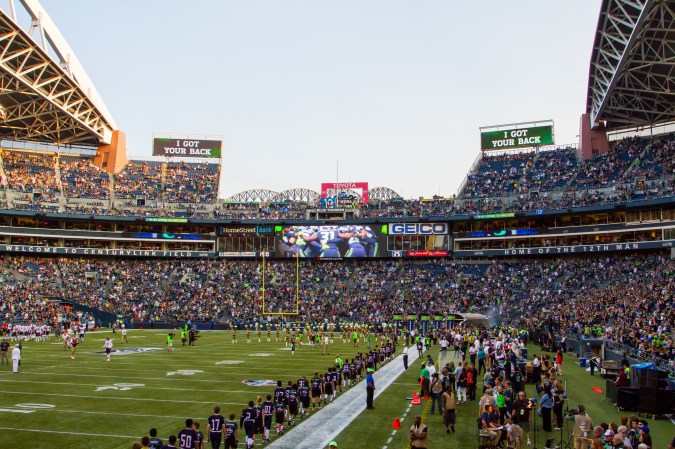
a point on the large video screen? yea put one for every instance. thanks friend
(330, 241)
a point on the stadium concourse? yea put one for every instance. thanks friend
(634, 170)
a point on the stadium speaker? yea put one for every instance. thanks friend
(140, 202)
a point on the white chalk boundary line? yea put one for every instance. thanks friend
(87, 412)
(60, 432)
(113, 398)
(76, 365)
(323, 426)
(144, 387)
(393, 432)
(122, 378)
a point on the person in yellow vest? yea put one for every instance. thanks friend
(418, 434)
(583, 426)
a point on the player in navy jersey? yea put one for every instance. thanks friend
(280, 416)
(369, 241)
(359, 369)
(328, 386)
(215, 428)
(268, 410)
(352, 372)
(259, 416)
(356, 248)
(345, 374)
(279, 393)
(155, 443)
(334, 377)
(247, 422)
(304, 395)
(200, 436)
(231, 434)
(293, 403)
(316, 387)
(172, 443)
(369, 361)
(287, 391)
(187, 438)
(329, 238)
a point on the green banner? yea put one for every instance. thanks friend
(502, 215)
(507, 139)
(426, 318)
(186, 147)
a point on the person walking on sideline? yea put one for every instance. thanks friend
(16, 358)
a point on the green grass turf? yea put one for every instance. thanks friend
(48, 376)
(373, 428)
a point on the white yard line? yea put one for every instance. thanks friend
(23, 429)
(144, 387)
(327, 423)
(115, 398)
(123, 378)
(84, 412)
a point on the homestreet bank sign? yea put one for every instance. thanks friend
(580, 249)
(101, 251)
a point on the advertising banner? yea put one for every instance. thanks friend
(103, 251)
(344, 187)
(186, 147)
(577, 249)
(507, 139)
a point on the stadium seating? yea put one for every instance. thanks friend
(630, 295)
(81, 179)
(139, 178)
(635, 169)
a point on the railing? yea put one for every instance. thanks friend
(664, 364)
(36, 146)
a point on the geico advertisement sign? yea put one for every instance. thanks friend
(418, 228)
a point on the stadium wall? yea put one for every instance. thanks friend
(591, 142)
(112, 157)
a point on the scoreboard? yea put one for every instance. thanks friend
(357, 240)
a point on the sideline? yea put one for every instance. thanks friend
(327, 423)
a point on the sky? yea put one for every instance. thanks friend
(389, 92)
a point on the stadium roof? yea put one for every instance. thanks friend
(632, 73)
(44, 98)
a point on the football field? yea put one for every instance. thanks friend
(87, 403)
(55, 402)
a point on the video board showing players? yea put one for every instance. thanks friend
(330, 241)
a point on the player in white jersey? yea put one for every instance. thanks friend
(83, 330)
(108, 344)
(66, 340)
(124, 334)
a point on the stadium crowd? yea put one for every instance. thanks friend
(635, 169)
(81, 179)
(629, 298)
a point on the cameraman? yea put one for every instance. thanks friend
(583, 424)
(521, 414)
